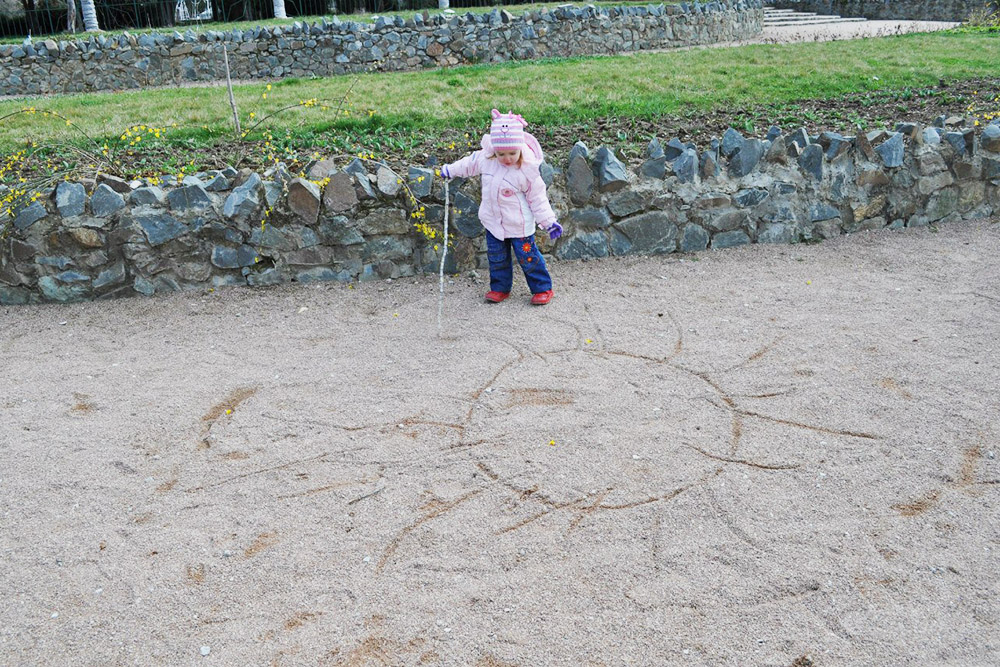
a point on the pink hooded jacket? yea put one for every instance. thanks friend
(514, 198)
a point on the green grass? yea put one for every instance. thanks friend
(223, 26)
(546, 92)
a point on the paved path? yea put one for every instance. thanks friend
(746, 457)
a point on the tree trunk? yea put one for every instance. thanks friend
(89, 16)
(70, 15)
(279, 9)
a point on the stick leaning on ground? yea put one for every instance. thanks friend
(444, 253)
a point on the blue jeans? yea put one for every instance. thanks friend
(531, 261)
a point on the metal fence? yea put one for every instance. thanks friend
(44, 18)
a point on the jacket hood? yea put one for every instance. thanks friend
(531, 153)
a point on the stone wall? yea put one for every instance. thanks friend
(912, 10)
(109, 238)
(338, 47)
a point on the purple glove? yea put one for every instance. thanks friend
(555, 231)
(445, 173)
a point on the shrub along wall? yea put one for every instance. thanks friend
(337, 47)
(912, 10)
(110, 238)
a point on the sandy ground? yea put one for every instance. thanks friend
(852, 30)
(773, 455)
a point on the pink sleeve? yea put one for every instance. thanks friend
(538, 201)
(467, 167)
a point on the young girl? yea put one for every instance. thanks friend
(514, 200)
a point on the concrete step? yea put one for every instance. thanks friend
(820, 20)
(786, 12)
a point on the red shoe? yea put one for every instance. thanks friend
(541, 298)
(496, 297)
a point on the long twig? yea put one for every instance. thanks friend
(229, 87)
(444, 253)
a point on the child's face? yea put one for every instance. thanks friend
(508, 156)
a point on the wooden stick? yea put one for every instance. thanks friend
(232, 100)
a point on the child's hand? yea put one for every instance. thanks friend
(445, 174)
(555, 231)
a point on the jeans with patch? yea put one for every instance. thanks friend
(528, 256)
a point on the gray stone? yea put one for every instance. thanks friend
(746, 158)
(957, 141)
(339, 194)
(777, 233)
(708, 167)
(799, 138)
(267, 277)
(387, 182)
(589, 218)
(929, 184)
(54, 290)
(29, 215)
(548, 173)
(106, 201)
(654, 168)
(820, 211)
(990, 169)
(579, 180)
(750, 197)
(86, 237)
(686, 166)
(930, 136)
(188, 197)
(119, 185)
(941, 204)
(626, 203)
(990, 139)
(14, 296)
(773, 133)
(244, 201)
(225, 257)
(675, 148)
(579, 148)
(649, 233)
(304, 200)
(931, 162)
(71, 199)
(148, 196)
(891, 150)
(731, 239)
(694, 238)
(583, 244)
(338, 231)
(384, 221)
(420, 181)
(838, 146)
(113, 276)
(654, 149)
(58, 261)
(364, 184)
(321, 169)
(777, 153)
(609, 170)
(159, 227)
(732, 142)
(811, 161)
(387, 247)
(219, 183)
(464, 215)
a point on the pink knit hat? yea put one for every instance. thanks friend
(507, 131)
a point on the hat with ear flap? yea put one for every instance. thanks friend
(507, 131)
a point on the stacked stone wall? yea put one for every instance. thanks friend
(345, 47)
(109, 238)
(889, 10)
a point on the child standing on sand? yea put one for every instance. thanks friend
(514, 201)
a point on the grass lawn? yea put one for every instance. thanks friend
(390, 112)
